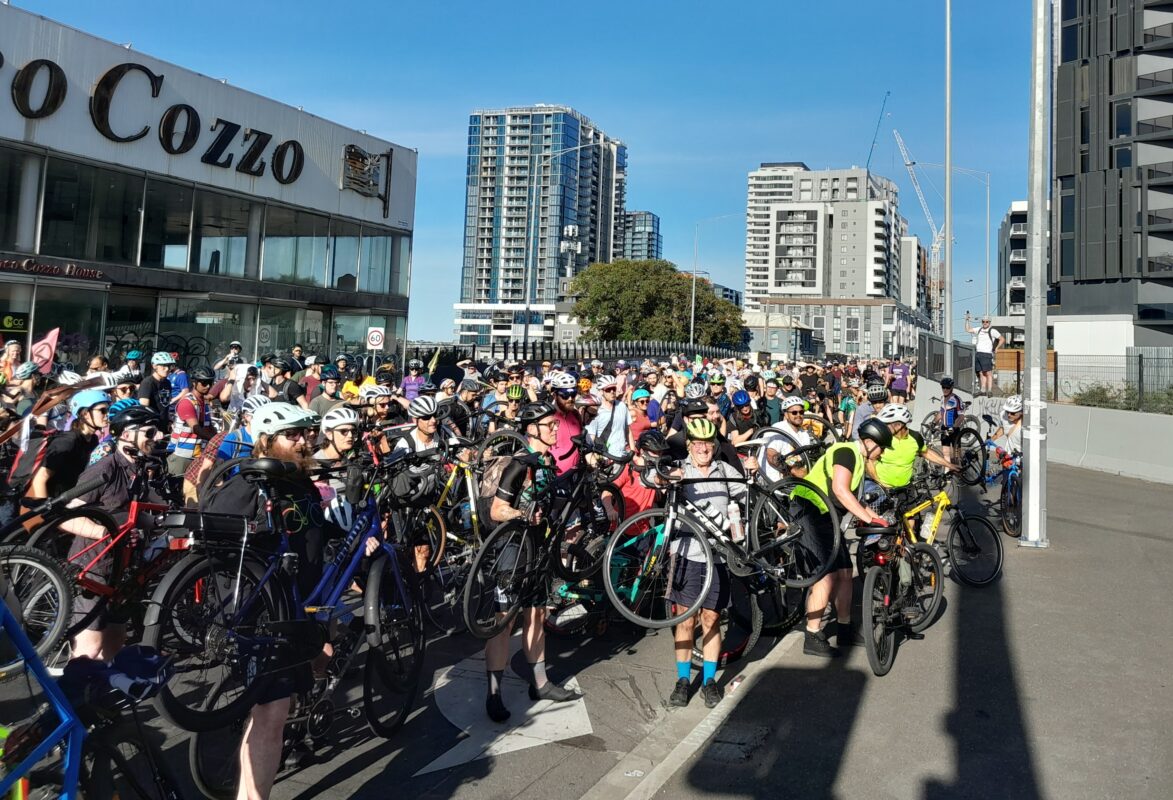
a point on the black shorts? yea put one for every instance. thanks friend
(816, 539)
(84, 605)
(984, 362)
(536, 593)
(689, 576)
(949, 436)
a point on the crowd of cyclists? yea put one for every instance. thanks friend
(297, 436)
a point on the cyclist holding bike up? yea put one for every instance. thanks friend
(838, 474)
(67, 454)
(895, 467)
(525, 478)
(134, 429)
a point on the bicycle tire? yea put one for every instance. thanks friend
(501, 443)
(109, 771)
(572, 619)
(213, 759)
(788, 563)
(38, 583)
(879, 635)
(511, 548)
(930, 426)
(967, 552)
(395, 648)
(581, 559)
(181, 621)
(1010, 507)
(739, 631)
(627, 555)
(928, 583)
(972, 449)
(828, 428)
(426, 524)
(781, 607)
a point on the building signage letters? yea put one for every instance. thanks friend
(29, 266)
(179, 125)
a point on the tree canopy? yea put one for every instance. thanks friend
(651, 300)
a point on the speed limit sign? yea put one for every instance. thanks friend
(375, 338)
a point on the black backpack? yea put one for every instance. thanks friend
(29, 459)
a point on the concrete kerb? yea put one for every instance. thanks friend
(644, 770)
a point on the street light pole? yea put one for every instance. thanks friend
(947, 272)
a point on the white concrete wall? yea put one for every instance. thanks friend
(1102, 335)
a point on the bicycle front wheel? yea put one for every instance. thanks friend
(118, 762)
(740, 625)
(395, 652)
(42, 597)
(971, 456)
(927, 586)
(1011, 507)
(776, 537)
(975, 550)
(640, 571)
(578, 554)
(498, 579)
(879, 634)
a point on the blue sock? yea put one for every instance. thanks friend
(709, 672)
(683, 670)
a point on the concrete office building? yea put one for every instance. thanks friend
(641, 237)
(546, 190)
(1112, 191)
(145, 206)
(726, 293)
(914, 276)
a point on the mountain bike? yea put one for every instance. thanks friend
(1005, 468)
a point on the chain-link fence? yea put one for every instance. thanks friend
(1140, 380)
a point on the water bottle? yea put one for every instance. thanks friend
(736, 529)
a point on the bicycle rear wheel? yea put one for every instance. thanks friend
(501, 443)
(776, 541)
(499, 577)
(879, 633)
(213, 758)
(581, 558)
(425, 528)
(640, 569)
(1010, 505)
(928, 584)
(395, 648)
(41, 596)
(970, 453)
(975, 550)
(781, 607)
(118, 762)
(740, 625)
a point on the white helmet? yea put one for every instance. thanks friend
(895, 412)
(422, 406)
(254, 404)
(562, 380)
(68, 378)
(604, 382)
(276, 417)
(373, 391)
(1013, 404)
(340, 512)
(694, 390)
(790, 401)
(337, 417)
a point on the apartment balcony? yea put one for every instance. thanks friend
(1157, 34)
(1162, 218)
(1159, 81)
(1017, 256)
(1016, 309)
(1157, 125)
(1019, 229)
(1016, 283)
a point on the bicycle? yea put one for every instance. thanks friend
(1009, 475)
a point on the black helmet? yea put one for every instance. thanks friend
(946, 383)
(428, 388)
(384, 377)
(534, 412)
(132, 417)
(201, 375)
(281, 364)
(652, 441)
(329, 373)
(877, 431)
(693, 405)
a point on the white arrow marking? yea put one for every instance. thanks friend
(459, 691)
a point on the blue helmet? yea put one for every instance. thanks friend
(87, 398)
(134, 355)
(118, 406)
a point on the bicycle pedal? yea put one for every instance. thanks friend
(916, 637)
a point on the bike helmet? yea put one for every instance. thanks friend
(277, 417)
(340, 512)
(751, 383)
(946, 383)
(422, 407)
(469, 385)
(415, 363)
(741, 398)
(384, 377)
(68, 378)
(534, 412)
(202, 375)
(118, 406)
(134, 416)
(342, 358)
(562, 380)
(371, 392)
(514, 392)
(717, 378)
(428, 388)
(584, 384)
(585, 401)
(641, 394)
(26, 370)
(895, 412)
(447, 383)
(694, 390)
(605, 382)
(134, 355)
(162, 360)
(652, 441)
(337, 417)
(872, 428)
(877, 392)
(86, 399)
(282, 365)
(1013, 404)
(254, 404)
(329, 373)
(701, 429)
(791, 401)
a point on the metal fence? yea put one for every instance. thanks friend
(931, 360)
(604, 351)
(1140, 380)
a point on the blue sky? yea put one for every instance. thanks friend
(700, 92)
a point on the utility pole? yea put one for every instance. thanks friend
(1034, 460)
(947, 272)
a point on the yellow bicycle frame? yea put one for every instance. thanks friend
(462, 472)
(942, 502)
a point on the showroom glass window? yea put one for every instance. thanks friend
(20, 179)
(200, 329)
(130, 324)
(77, 311)
(167, 225)
(91, 213)
(375, 273)
(16, 303)
(220, 234)
(281, 327)
(296, 243)
(344, 247)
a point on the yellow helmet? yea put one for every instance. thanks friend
(701, 429)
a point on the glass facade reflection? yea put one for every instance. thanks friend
(220, 234)
(78, 315)
(296, 245)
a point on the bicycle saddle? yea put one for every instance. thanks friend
(865, 531)
(268, 469)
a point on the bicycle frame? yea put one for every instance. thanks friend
(462, 473)
(941, 501)
(109, 543)
(71, 730)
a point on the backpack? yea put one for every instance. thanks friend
(29, 459)
(491, 476)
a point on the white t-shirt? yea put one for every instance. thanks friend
(986, 339)
(782, 445)
(1011, 435)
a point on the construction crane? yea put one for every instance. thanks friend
(876, 135)
(938, 236)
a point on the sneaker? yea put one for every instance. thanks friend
(711, 693)
(552, 691)
(680, 696)
(816, 644)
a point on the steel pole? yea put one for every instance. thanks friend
(1034, 438)
(987, 244)
(533, 219)
(947, 271)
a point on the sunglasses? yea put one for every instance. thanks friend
(429, 417)
(610, 389)
(566, 394)
(382, 405)
(100, 410)
(794, 411)
(150, 433)
(641, 402)
(347, 431)
(292, 434)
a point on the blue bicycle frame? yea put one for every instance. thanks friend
(71, 728)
